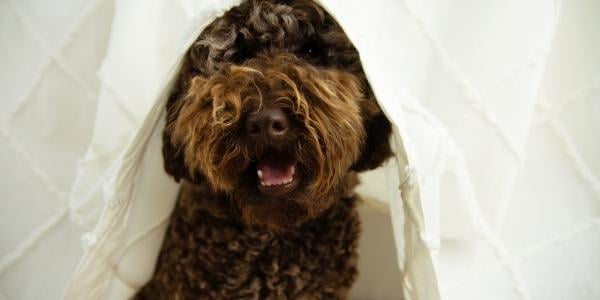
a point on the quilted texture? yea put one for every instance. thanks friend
(510, 90)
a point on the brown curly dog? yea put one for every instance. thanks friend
(270, 119)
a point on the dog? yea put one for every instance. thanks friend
(269, 121)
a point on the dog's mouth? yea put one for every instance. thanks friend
(277, 173)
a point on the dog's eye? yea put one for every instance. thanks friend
(309, 48)
(205, 105)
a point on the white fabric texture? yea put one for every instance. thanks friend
(495, 101)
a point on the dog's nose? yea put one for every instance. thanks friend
(271, 123)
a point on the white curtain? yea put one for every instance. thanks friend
(496, 103)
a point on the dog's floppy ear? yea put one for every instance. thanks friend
(378, 129)
(172, 155)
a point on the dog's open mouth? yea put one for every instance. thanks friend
(277, 173)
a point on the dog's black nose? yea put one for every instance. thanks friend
(270, 123)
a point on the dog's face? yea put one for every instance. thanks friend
(272, 129)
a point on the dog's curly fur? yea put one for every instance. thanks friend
(226, 239)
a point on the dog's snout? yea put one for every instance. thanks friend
(271, 123)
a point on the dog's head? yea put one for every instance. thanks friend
(276, 129)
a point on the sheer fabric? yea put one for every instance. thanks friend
(493, 193)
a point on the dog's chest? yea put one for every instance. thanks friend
(221, 259)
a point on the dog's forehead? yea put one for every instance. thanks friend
(261, 27)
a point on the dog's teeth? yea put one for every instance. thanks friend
(259, 173)
(277, 182)
(293, 170)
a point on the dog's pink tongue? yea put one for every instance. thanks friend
(274, 172)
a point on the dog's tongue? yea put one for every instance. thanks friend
(275, 169)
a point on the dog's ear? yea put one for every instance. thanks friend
(173, 155)
(378, 129)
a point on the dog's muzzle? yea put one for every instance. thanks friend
(276, 170)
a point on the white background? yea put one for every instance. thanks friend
(515, 84)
